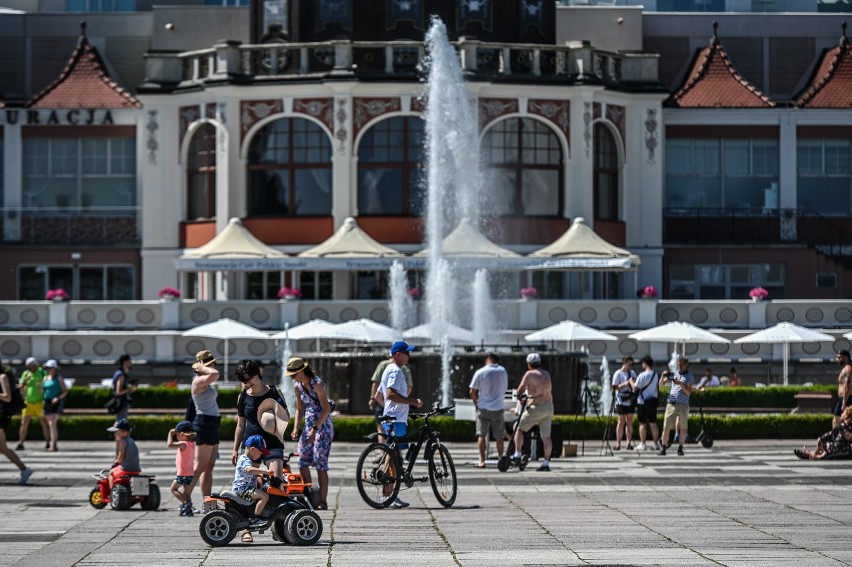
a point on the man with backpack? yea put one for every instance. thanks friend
(647, 390)
(11, 403)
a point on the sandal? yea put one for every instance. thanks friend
(800, 453)
(479, 466)
(322, 506)
(247, 537)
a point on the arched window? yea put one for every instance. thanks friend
(606, 174)
(389, 168)
(289, 168)
(201, 174)
(524, 161)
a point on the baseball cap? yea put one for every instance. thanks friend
(184, 427)
(533, 358)
(401, 346)
(257, 442)
(51, 364)
(30, 361)
(121, 424)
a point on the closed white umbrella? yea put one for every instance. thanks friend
(569, 331)
(226, 329)
(680, 333)
(785, 333)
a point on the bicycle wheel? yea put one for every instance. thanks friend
(378, 475)
(442, 475)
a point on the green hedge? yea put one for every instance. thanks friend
(154, 397)
(788, 426)
(161, 397)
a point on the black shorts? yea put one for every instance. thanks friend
(5, 420)
(837, 410)
(625, 410)
(206, 429)
(378, 412)
(647, 412)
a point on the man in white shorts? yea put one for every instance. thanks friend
(539, 410)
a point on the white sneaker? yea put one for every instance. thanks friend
(397, 503)
(641, 447)
(25, 475)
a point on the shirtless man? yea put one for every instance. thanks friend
(844, 385)
(539, 410)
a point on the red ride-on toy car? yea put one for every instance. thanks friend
(128, 489)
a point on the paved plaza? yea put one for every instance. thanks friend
(740, 503)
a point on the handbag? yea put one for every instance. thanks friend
(112, 405)
(626, 394)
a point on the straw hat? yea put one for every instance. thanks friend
(295, 365)
(205, 358)
(273, 418)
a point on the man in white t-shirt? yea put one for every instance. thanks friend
(487, 390)
(392, 387)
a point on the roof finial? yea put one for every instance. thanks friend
(83, 28)
(843, 27)
(715, 29)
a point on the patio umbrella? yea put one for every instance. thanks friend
(226, 329)
(364, 330)
(678, 332)
(313, 329)
(785, 333)
(570, 331)
(454, 333)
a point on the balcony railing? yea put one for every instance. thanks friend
(576, 61)
(70, 225)
(831, 236)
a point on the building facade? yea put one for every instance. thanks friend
(714, 155)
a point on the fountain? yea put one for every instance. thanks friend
(606, 386)
(483, 316)
(453, 178)
(401, 303)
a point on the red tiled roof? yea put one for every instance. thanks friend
(831, 85)
(84, 83)
(713, 82)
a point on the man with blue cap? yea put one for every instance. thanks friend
(392, 387)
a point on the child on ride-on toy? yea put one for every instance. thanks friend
(245, 479)
(126, 452)
(182, 438)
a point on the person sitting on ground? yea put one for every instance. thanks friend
(834, 444)
(709, 380)
(245, 477)
(126, 460)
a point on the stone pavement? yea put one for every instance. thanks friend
(741, 503)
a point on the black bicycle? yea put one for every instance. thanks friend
(381, 469)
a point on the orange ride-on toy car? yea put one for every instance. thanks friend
(128, 489)
(289, 514)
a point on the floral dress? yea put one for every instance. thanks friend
(314, 454)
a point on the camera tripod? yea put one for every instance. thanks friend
(586, 401)
(606, 448)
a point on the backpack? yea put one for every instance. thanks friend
(16, 404)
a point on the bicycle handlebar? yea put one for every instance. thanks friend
(436, 410)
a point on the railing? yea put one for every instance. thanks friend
(70, 225)
(574, 61)
(758, 226)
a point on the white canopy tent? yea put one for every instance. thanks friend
(785, 333)
(350, 242)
